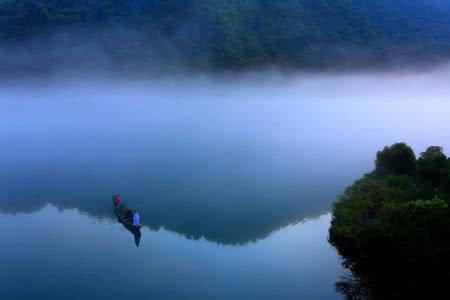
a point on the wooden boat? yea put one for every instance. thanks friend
(121, 212)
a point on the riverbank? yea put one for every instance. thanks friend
(392, 225)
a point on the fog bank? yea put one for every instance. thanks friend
(267, 148)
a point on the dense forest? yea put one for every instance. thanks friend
(236, 33)
(392, 226)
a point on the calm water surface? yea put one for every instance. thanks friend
(233, 180)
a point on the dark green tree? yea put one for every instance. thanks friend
(432, 166)
(393, 229)
(398, 159)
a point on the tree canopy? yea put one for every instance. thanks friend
(392, 225)
(398, 159)
(235, 33)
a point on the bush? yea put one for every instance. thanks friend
(398, 159)
(393, 225)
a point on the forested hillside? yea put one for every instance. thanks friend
(240, 33)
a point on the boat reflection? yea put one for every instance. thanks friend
(125, 217)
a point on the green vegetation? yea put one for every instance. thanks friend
(393, 224)
(235, 33)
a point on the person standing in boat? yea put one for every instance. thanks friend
(135, 218)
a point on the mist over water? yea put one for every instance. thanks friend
(231, 127)
(233, 162)
(286, 144)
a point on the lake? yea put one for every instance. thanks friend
(233, 179)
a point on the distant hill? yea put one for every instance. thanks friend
(238, 33)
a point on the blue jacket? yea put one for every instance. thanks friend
(136, 219)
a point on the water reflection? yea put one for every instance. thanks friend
(352, 287)
(125, 217)
(226, 161)
(204, 193)
(136, 232)
(88, 258)
(221, 223)
(390, 278)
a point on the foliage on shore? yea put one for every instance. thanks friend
(233, 34)
(393, 225)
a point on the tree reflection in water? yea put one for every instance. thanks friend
(352, 287)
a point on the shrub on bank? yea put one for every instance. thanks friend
(393, 224)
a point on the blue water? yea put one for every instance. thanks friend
(52, 253)
(233, 180)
